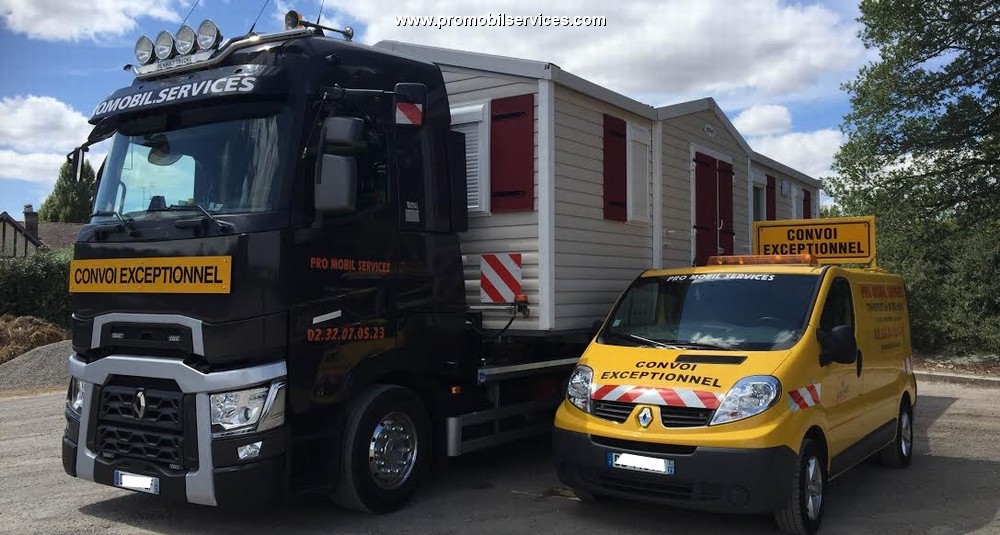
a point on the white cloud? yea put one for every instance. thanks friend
(809, 152)
(763, 120)
(33, 124)
(35, 136)
(76, 20)
(659, 51)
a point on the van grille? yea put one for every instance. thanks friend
(670, 416)
(612, 410)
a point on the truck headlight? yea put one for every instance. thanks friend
(74, 396)
(246, 411)
(748, 397)
(578, 390)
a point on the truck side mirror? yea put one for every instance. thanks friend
(76, 162)
(838, 345)
(336, 184)
(413, 94)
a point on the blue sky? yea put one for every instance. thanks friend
(774, 66)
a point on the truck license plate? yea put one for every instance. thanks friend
(137, 482)
(640, 463)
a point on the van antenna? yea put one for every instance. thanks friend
(190, 11)
(320, 16)
(259, 13)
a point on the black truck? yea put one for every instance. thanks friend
(269, 295)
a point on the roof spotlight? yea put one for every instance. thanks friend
(144, 50)
(164, 45)
(185, 40)
(208, 35)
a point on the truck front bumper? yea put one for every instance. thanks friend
(201, 469)
(715, 479)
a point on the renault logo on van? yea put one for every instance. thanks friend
(645, 416)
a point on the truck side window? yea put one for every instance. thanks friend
(839, 307)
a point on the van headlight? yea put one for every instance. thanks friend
(246, 411)
(748, 397)
(578, 390)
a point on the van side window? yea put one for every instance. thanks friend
(839, 307)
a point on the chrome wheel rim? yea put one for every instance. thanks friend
(905, 434)
(814, 488)
(392, 450)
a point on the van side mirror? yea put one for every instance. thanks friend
(838, 345)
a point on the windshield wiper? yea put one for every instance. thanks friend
(224, 226)
(697, 345)
(126, 224)
(646, 341)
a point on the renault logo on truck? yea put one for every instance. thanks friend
(139, 405)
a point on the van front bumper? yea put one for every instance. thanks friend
(736, 480)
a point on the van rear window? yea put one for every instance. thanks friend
(739, 311)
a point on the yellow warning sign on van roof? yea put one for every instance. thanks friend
(834, 240)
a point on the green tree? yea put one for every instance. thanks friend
(923, 155)
(71, 200)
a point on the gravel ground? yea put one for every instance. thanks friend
(42, 367)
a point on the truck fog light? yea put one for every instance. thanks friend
(578, 390)
(164, 45)
(249, 451)
(185, 40)
(144, 50)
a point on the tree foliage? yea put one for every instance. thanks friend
(923, 155)
(71, 200)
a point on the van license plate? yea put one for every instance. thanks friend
(137, 482)
(640, 463)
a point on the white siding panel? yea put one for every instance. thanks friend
(595, 258)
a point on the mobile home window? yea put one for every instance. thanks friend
(471, 120)
(638, 173)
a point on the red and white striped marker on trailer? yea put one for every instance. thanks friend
(407, 113)
(804, 397)
(499, 277)
(651, 395)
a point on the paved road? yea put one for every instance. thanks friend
(953, 487)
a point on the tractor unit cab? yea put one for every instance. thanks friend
(272, 266)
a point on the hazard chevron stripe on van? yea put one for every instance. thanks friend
(804, 397)
(674, 397)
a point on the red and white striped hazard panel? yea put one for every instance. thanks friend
(805, 397)
(407, 113)
(499, 277)
(651, 395)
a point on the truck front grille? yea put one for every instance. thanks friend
(150, 429)
(670, 416)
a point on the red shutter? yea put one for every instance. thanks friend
(614, 169)
(807, 204)
(727, 233)
(512, 154)
(771, 203)
(706, 199)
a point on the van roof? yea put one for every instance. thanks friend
(784, 269)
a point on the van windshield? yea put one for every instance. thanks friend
(741, 311)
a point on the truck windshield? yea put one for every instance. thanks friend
(741, 311)
(226, 159)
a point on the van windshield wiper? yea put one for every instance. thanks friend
(696, 345)
(224, 226)
(645, 341)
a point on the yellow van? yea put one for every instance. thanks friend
(743, 386)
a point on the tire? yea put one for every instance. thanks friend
(803, 513)
(899, 452)
(387, 425)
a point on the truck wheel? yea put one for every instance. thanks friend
(900, 451)
(386, 450)
(803, 512)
